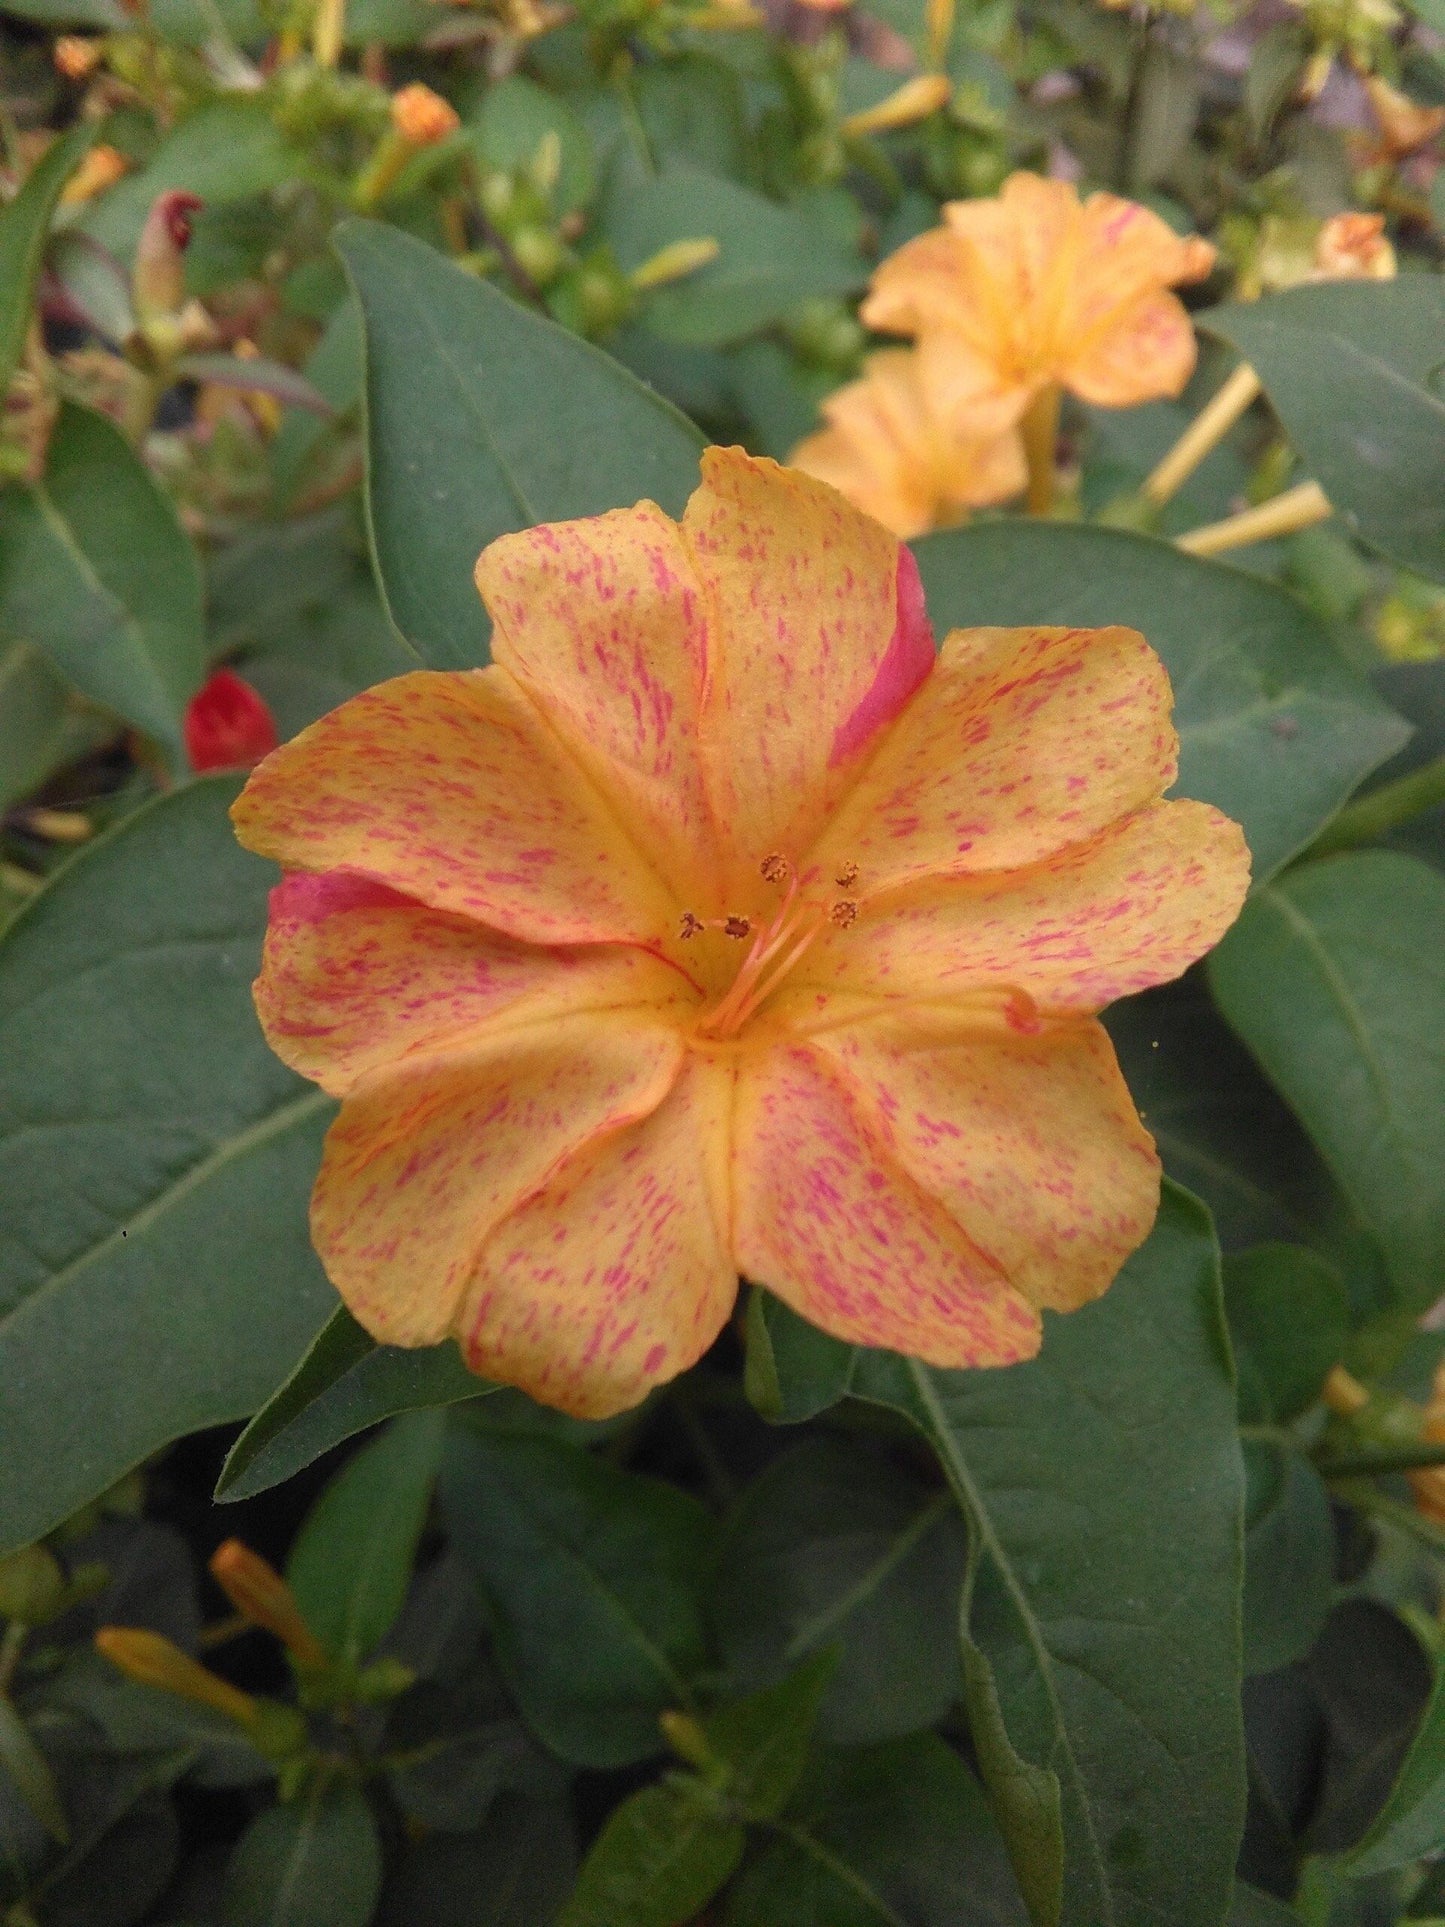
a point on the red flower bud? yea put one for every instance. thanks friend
(228, 726)
(158, 279)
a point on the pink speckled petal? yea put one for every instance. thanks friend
(1024, 742)
(810, 659)
(616, 1276)
(604, 623)
(1147, 350)
(426, 1160)
(450, 788)
(355, 977)
(826, 1216)
(1135, 907)
(1031, 1143)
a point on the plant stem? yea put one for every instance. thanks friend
(11, 1646)
(1203, 435)
(1376, 1464)
(1298, 508)
(1040, 429)
(1385, 809)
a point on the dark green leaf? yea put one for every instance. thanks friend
(483, 417)
(1274, 728)
(518, 1868)
(886, 1836)
(35, 720)
(352, 1560)
(457, 1745)
(515, 118)
(794, 1371)
(1074, 1471)
(1289, 1556)
(1335, 978)
(661, 1857)
(315, 1862)
(155, 1161)
(772, 257)
(29, 1772)
(834, 1546)
(1352, 370)
(764, 1738)
(137, 1719)
(594, 1579)
(1289, 1322)
(96, 571)
(1412, 1821)
(1251, 1908)
(1372, 1680)
(24, 225)
(345, 1382)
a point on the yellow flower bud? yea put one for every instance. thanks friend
(421, 117)
(101, 168)
(915, 100)
(153, 1660)
(674, 262)
(76, 57)
(260, 1594)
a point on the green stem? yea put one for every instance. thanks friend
(1386, 1459)
(1040, 429)
(1385, 809)
(11, 1647)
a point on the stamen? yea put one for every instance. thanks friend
(775, 868)
(690, 926)
(843, 912)
(737, 927)
(847, 876)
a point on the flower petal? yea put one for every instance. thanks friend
(448, 787)
(424, 1162)
(814, 648)
(604, 623)
(827, 1218)
(616, 1275)
(1135, 907)
(1022, 742)
(1032, 1144)
(1148, 350)
(355, 977)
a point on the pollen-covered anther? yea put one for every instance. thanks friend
(843, 912)
(690, 926)
(738, 927)
(775, 868)
(847, 876)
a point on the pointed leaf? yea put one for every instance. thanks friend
(24, 226)
(314, 1862)
(1412, 1822)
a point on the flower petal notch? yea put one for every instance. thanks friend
(724, 926)
(1035, 290)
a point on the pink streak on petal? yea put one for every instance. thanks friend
(906, 664)
(303, 898)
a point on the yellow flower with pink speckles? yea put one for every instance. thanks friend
(723, 926)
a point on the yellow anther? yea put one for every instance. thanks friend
(847, 876)
(843, 912)
(775, 868)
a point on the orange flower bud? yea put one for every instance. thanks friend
(153, 1660)
(1354, 247)
(914, 101)
(76, 57)
(260, 1594)
(101, 168)
(421, 117)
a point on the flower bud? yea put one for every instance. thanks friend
(915, 100)
(256, 1589)
(421, 117)
(675, 262)
(158, 282)
(227, 725)
(75, 57)
(153, 1660)
(101, 168)
(1353, 247)
(540, 253)
(32, 1586)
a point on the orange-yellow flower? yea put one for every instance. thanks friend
(888, 452)
(1034, 290)
(721, 927)
(1353, 247)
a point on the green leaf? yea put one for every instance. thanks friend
(227, 150)
(794, 1371)
(97, 572)
(345, 1382)
(661, 1857)
(1335, 978)
(481, 418)
(155, 1161)
(30, 1773)
(693, 109)
(764, 1738)
(515, 118)
(519, 1867)
(1251, 1908)
(352, 1560)
(1353, 371)
(1073, 1472)
(594, 1579)
(24, 227)
(887, 1836)
(1371, 1679)
(832, 1545)
(1289, 1321)
(1289, 1557)
(1274, 728)
(772, 257)
(314, 1862)
(35, 720)
(1412, 1821)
